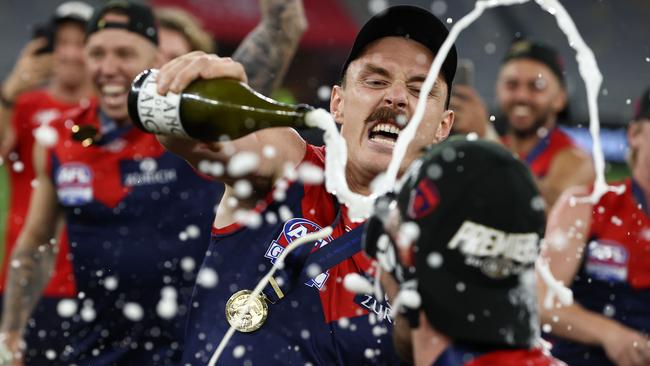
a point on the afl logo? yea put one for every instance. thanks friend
(292, 230)
(74, 183)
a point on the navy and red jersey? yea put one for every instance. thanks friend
(456, 355)
(614, 275)
(539, 159)
(138, 220)
(34, 109)
(317, 321)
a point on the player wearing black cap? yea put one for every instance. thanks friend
(314, 319)
(48, 78)
(138, 217)
(531, 94)
(602, 251)
(475, 222)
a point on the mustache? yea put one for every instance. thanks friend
(385, 113)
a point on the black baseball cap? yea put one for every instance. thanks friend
(642, 110)
(523, 48)
(409, 22)
(141, 19)
(480, 218)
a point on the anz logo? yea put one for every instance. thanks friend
(292, 230)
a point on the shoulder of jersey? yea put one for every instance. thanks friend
(35, 96)
(80, 115)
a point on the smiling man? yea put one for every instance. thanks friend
(306, 315)
(138, 217)
(531, 95)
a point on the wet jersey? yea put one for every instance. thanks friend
(138, 219)
(33, 109)
(462, 356)
(614, 276)
(317, 321)
(539, 159)
(43, 334)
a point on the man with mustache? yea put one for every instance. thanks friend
(531, 93)
(310, 317)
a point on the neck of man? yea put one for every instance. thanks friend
(428, 344)
(358, 179)
(70, 93)
(522, 143)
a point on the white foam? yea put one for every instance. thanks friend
(133, 311)
(357, 284)
(243, 163)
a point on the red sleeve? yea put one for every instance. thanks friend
(19, 116)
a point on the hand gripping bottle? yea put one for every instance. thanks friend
(208, 110)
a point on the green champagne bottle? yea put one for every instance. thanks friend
(208, 110)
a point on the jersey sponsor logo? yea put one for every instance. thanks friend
(292, 230)
(424, 199)
(372, 305)
(74, 182)
(496, 253)
(149, 174)
(607, 261)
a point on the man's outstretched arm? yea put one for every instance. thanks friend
(33, 258)
(268, 50)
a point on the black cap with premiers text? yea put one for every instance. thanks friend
(480, 218)
(409, 22)
(141, 19)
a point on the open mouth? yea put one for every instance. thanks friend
(384, 133)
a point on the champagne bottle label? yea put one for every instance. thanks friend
(159, 114)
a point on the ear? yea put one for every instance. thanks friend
(633, 130)
(560, 101)
(444, 128)
(337, 103)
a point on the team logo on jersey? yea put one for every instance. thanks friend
(424, 199)
(74, 182)
(292, 230)
(607, 261)
(45, 116)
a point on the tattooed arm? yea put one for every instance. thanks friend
(33, 257)
(267, 51)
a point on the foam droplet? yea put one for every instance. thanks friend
(46, 135)
(357, 284)
(133, 311)
(243, 163)
(66, 308)
(207, 277)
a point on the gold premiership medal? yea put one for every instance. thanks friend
(246, 318)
